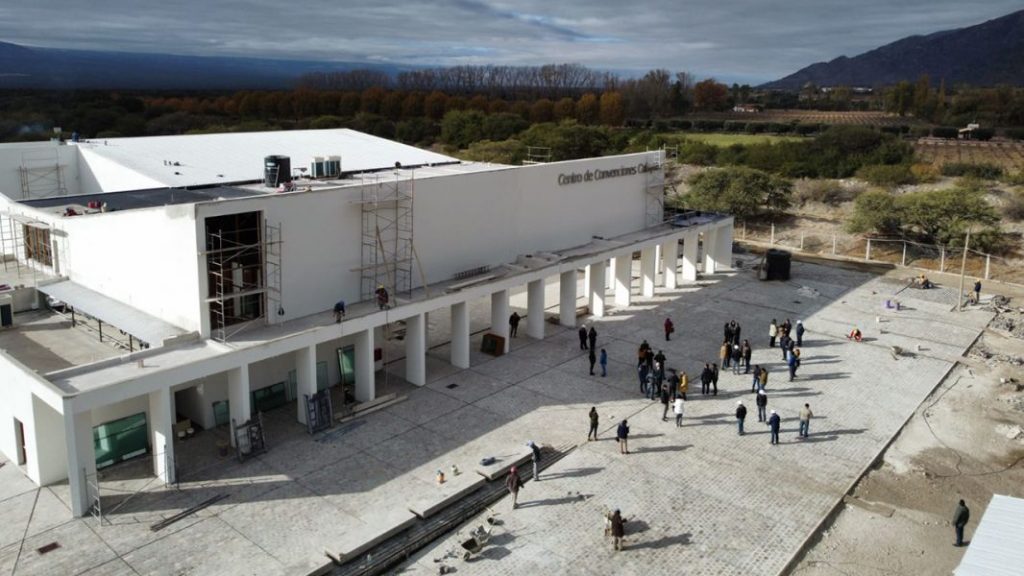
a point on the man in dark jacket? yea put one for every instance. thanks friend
(762, 405)
(514, 483)
(705, 379)
(513, 324)
(800, 333)
(583, 337)
(622, 437)
(774, 422)
(741, 415)
(735, 332)
(618, 528)
(593, 423)
(592, 336)
(535, 458)
(747, 353)
(784, 341)
(714, 379)
(593, 360)
(960, 517)
(664, 401)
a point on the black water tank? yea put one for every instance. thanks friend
(276, 171)
(777, 264)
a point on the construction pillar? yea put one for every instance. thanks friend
(499, 316)
(710, 252)
(623, 279)
(723, 248)
(658, 253)
(161, 426)
(690, 255)
(366, 377)
(239, 396)
(416, 350)
(597, 286)
(81, 456)
(669, 262)
(647, 271)
(460, 335)
(305, 378)
(535, 309)
(567, 298)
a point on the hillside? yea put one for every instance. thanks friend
(983, 55)
(51, 68)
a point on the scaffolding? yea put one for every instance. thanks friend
(246, 278)
(17, 256)
(537, 155)
(42, 175)
(655, 187)
(387, 251)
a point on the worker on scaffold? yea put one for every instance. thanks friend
(382, 297)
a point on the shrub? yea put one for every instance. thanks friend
(924, 173)
(755, 127)
(733, 126)
(1014, 133)
(920, 131)
(1015, 179)
(887, 175)
(875, 211)
(806, 129)
(829, 192)
(983, 170)
(983, 134)
(1013, 206)
(945, 132)
(742, 192)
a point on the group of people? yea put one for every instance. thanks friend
(790, 339)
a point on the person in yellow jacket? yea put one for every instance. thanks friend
(684, 384)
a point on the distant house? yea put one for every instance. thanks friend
(968, 132)
(746, 108)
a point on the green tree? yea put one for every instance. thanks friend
(875, 211)
(460, 128)
(742, 192)
(943, 215)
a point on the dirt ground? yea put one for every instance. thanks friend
(966, 441)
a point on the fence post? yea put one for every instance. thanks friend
(744, 229)
(942, 258)
(904, 253)
(867, 252)
(801, 241)
(833, 244)
(988, 262)
(772, 238)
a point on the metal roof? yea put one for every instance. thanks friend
(995, 549)
(205, 159)
(149, 329)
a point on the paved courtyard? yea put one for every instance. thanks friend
(699, 499)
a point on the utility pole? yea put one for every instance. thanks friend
(963, 267)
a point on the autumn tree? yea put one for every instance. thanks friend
(588, 109)
(565, 109)
(613, 111)
(710, 95)
(542, 110)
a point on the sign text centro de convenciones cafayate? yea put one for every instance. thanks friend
(594, 175)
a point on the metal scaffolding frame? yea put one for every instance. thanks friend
(223, 258)
(387, 250)
(42, 175)
(13, 249)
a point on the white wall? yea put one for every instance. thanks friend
(44, 429)
(33, 154)
(146, 258)
(98, 174)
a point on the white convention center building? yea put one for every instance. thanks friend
(156, 288)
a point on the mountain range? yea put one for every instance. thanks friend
(53, 68)
(986, 54)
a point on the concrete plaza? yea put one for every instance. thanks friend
(699, 499)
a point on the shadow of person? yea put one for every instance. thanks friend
(665, 542)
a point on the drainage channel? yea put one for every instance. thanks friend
(402, 545)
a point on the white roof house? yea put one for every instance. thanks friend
(996, 548)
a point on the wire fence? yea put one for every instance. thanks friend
(899, 252)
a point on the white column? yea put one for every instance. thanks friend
(710, 252)
(161, 420)
(657, 264)
(567, 298)
(690, 257)
(366, 377)
(305, 377)
(499, 316)
(623, 279)
(416, 350)
(669, 262)
(723, 248)
(647, 270)
(81, 454)
(609, 274)
(460, 335)
(595, 290)
(239, 397)
(535, 309)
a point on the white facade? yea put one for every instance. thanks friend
(154, 259)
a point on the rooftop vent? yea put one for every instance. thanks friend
(329, 167)
(276, 171)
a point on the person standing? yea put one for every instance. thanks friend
(604, 363)
(642, 352)
(799, 332)
(339, 311)
(382, 297)
(659, 358)
(784, 344)
(535, 458)
(592, 356)
(774, 423)
(737, 358)
(684, 385)
(622, 437)
(755, 382)
(960, 517)
(736, 332)
(583, 337)
(714, 379)
(618, 529)
(664, 402)
(513, 324)
(705, 379)
(677, 407)
(763, 378)
(669, 329)
(762, 405)
(977, 291)
(724, 353)
(773, 331)
(747, 353)
(593, 423)
(805, 420)
(793, 362)
(727, 332)
(592, 336)
(513, 482)
(741, 415)
(787, 326)
(642, 373)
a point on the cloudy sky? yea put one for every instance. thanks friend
(730, 39)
